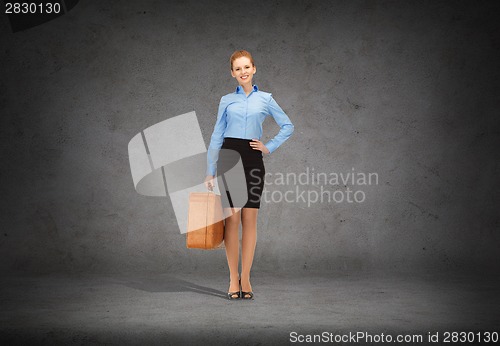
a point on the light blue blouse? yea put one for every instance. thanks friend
(241, 116)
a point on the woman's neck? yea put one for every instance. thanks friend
(247, 88)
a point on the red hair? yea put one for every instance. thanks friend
(238, 54)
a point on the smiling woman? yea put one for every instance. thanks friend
(239, 127)
(242, 66)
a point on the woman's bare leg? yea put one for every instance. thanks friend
(232, 245)
(249, 240)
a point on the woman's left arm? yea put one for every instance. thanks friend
(286, 126)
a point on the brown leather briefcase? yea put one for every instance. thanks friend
(205, 221)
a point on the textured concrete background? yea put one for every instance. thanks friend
(406, 90)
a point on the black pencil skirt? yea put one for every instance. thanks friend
(254, 169)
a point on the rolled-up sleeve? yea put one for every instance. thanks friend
(286, 126)
(217, 138)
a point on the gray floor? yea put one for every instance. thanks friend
(191, 308)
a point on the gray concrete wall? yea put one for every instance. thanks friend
(407, 90)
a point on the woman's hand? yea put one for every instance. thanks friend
(210, 182)
(258, 145)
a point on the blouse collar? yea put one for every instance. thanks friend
(239, 89)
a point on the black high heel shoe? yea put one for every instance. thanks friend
(230, 295)
(246, 295)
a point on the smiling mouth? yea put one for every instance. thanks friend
(244, 77)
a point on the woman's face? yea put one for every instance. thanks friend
(243, 70)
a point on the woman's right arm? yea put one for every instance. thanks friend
(216, 141)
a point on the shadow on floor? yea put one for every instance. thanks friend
(167, 284)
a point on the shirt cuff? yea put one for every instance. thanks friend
(270, 146)
(211, 171)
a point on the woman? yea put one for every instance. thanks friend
(239, 127)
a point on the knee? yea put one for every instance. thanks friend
(249, 214)
(233, 220)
